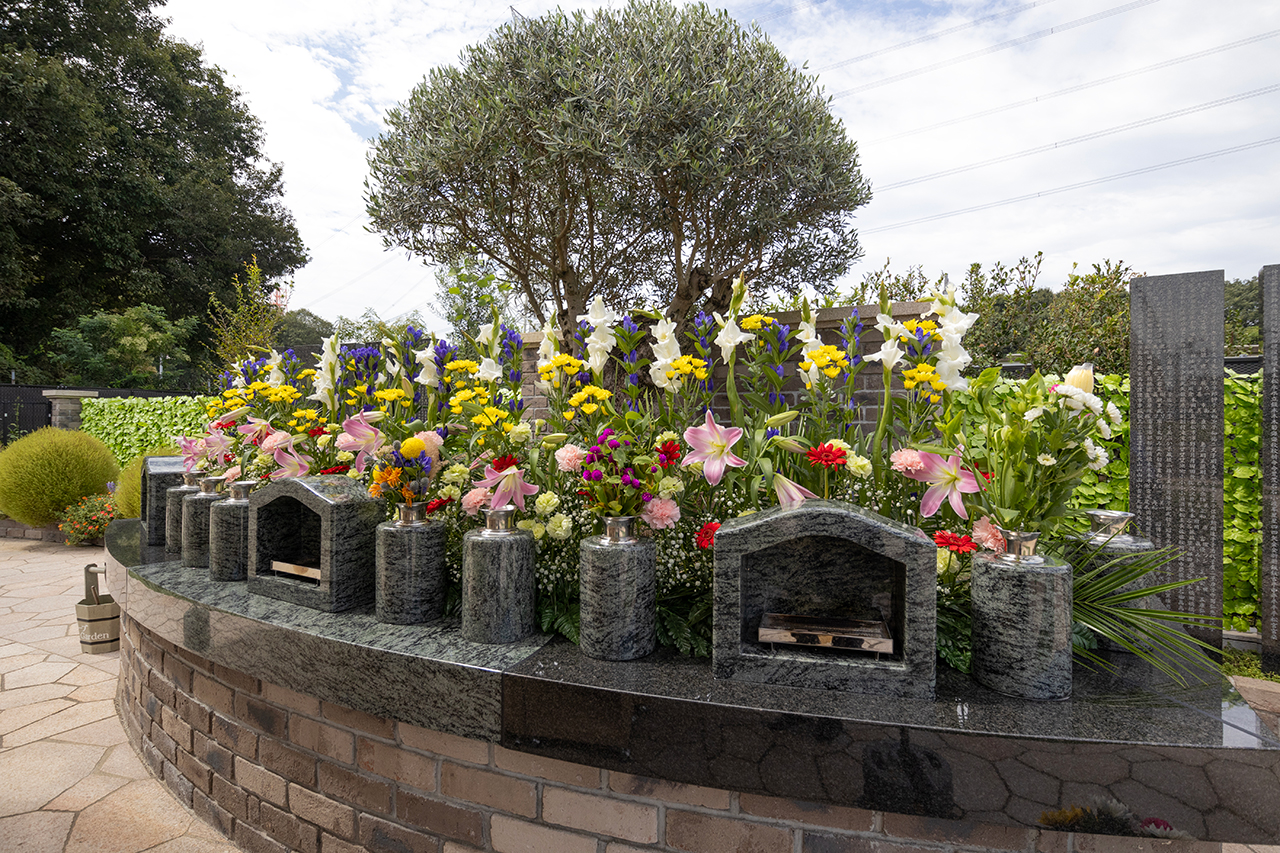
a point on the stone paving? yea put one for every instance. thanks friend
(69, 779)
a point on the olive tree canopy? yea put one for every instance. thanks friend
(651, 152)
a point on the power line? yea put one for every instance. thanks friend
(956, 60)
(1079, 87)
(1220, 153)
(369, 271)
(936, 35)
(1120, 128)
(795, 7)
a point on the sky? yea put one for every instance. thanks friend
(1146, 131)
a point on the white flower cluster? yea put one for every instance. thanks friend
(665, 351)
(1098, 458)
(602, 338)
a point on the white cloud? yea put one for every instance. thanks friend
(321, 76)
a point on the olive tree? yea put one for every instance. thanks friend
(650, 152)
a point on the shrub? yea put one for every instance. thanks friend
(129, 425)
(49, 470)
(88, 519)
(129, 486)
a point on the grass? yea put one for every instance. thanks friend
(1248, 664)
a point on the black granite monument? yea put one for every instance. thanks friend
(159, 474)
(1269, 461)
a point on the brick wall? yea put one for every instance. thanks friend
(276, 770)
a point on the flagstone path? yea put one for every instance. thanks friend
(69, 780)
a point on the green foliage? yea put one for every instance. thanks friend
(49, 470)
(955, 612)
(1109, 488)
(369, 328)
(128, 494)
(130, 171)
(468, 294)
(249, 327)
(1087, 321)
(653, 151)
(1249, 664)
(1243, 316)
(301, 328)
(1242, 507)
(1010, 310)
(129, 425)
(126, 349)
(87, 520)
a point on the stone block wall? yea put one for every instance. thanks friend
(11, 529)
(275, 770)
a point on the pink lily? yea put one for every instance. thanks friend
(790, 493)
(292, 464)
(946, 479)
(711, 445)
(216, 445)
(508, 486)
(254, 429)
(360, 437)
(192, 449)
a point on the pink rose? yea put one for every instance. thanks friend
(275, 441)
(570, 458)
(987, 535)
(474, 499)
(906, 461)
(661, 513)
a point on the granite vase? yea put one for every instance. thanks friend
(411, 576)
(173, 510)
(498, 583)
(1107, 542)
(229, 534)
(195, 522)
(617, 574)
(1022, 621)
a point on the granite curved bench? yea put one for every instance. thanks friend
(288, 728)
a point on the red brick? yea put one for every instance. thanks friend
(218, 757)
(323, 739)
(353, 719)
(293, 764)
(441, 818)
(323, 812)
(380, 836)
(352, 788)
(177, 672)
(289, 830)
(512, 835)
(162, 688)
(196, 714)
(600, 815)
(439, 743)
(233, 736)
(290, 699)
(253, 841)
(261, 716)
(213, 693)
(177, 783)
(816, 842)
(814, 814)
(564, 772)
(213, 814)
(400, 765)
(329, 844)
(194, 659)
(670, 792)
(151, 653)
(235, 678)
(231, 798)
(264, 783)
(162, 742)
(176, 728)
(191, 767)
(962, 832)
(701, 833)
(475, 785)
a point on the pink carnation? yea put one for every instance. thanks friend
(431, 439)
(233, 474)
(661, 513)
(474, 499)
(275, 441)
(570, 458)
(906, 461)
(987, 535)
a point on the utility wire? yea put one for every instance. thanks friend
(1197, 158)
(1120, 128)
(956, 60)
(1079, 87)
(936, 35)
(344, 285)
(795, 7)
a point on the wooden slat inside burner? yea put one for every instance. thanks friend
(823, 631)
(294, 569)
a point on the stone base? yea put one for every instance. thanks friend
(619, 611)
(411, 575)
(498, 587)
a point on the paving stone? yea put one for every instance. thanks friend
(135, 817)
(36, 832)
(63, 721)
(32, 775)
(32, 695)
(86, 792)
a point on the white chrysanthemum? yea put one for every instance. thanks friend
(1098, 458)
(1032, 414)
(559, 526)
(859, 466)
(1113, 414)
(1046, 459)
(547, 503)
(521, 433)
(456, 474)
(1104, 429)
(669, 487)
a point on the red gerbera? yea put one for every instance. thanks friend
(314, 431)
(337, 469)
(434, 505)
(502, 463)
(952, 542)
(668, 453)
(828, 455)
(707, 535)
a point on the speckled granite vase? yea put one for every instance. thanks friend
(195, 522)
(498, 583)
(173, 510)
(159, 475)
(1022, 621)
(617, 573)
(411, 574)
(1107, 541)
(229, 534)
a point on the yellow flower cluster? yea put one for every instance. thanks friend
(830, 359)
(927, 326)
(355, 394)
(583, 400)
(492, 416)
(234, 398)
(304, 419)
(562, 363)
(755, 322)
(458, 371)
(479, 396)
(923, 374)
(687, 365)
(280, 394)
(393, 395)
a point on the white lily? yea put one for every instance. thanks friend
(428, 372)
(730, 336)
(489, 370)
(599, 315)
(889, 355)
(277, 376)
(487, 335)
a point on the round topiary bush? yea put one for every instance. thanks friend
(49, 470)
(129, 486)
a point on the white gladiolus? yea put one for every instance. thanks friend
(489, 370)
(599, 315)
(730, 336)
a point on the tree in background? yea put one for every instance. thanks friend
(135, 348)
(302, 328)
(1088, 320)
(1244, 316)
(369, 328)
(247, 328)
(468, 295)
(1011, 310)
(130, 172)
(651, 152)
